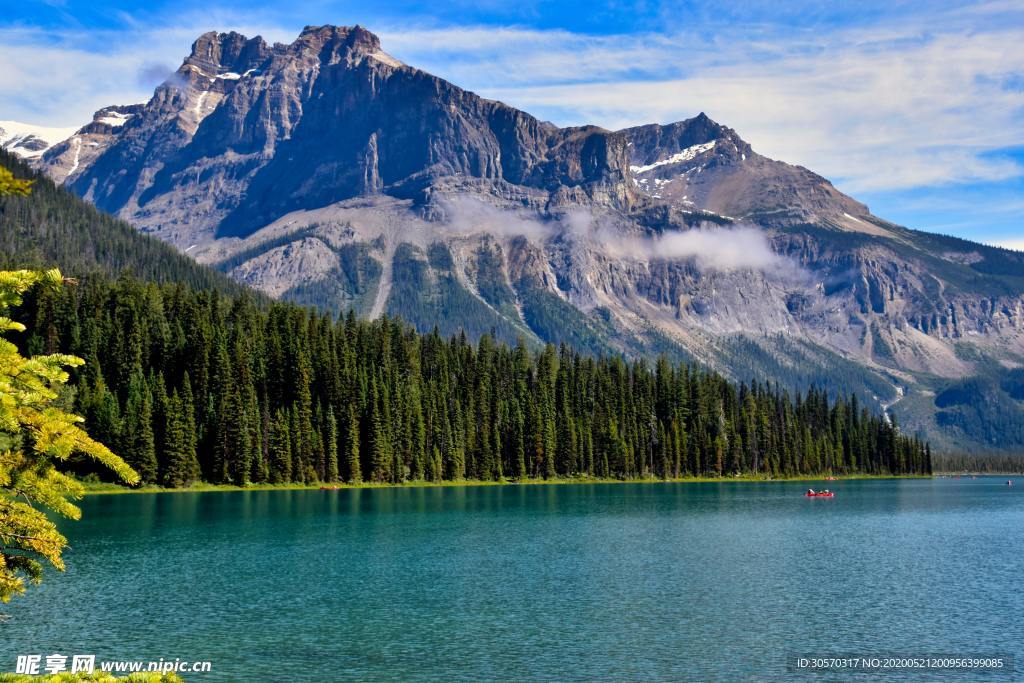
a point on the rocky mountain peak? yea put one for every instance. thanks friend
(233, 52)
(348, 45)
(700, 164)
(653, 143)
(326, 118)
(355, 37)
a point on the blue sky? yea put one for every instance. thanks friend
(916, 108)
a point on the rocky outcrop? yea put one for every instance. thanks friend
(67, 160)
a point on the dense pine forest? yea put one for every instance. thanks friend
(193, 385)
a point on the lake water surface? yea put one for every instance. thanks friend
(560, 583)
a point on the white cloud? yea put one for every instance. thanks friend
(468, 215)
(711, 248)
(723, 249)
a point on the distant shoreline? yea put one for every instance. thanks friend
(94, 489)
(951, 475)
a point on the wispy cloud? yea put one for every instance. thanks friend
(710, 248)
(469, 215)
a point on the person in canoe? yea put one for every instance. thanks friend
(810, 492)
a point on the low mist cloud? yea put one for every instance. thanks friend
(718, 249)
(468, 215)
(710, 248)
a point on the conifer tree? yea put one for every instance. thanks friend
(280, 449)
(353, 468)
(139, 449)
(179, 452)
(299, 471)
(380, 446)
(331, 437)
(188, 415)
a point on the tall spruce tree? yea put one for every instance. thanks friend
(331, 439)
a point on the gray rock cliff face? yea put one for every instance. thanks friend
(329, 117)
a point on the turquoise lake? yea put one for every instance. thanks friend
(717, 581)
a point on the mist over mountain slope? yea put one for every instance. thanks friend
(327, 172)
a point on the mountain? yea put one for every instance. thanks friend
(261, 125)
(28, 141)
(327, 172)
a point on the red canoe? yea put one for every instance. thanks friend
(820, 495)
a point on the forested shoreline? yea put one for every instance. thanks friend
(974, 463)
(194, 386)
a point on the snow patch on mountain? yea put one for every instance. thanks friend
(678, 157)
(29, 141)
(199, 104)
(114, 119)
(77, 142)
